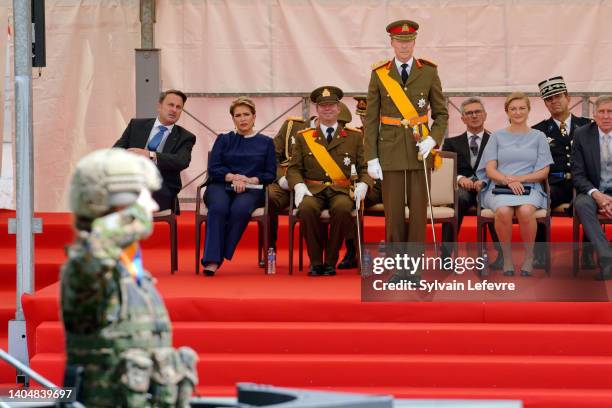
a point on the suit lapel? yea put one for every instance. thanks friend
(337, 140)
(483, 144)
(143, 135)
(463, 145)
(171, 140)
(596, 149)
(573, 125)
(415, 72)
(393, 73)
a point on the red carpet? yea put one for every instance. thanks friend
(316, 333)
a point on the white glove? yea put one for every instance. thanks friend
(282, 182)
(425, 146)
(374, 169)
(360, 192)
(300, 191)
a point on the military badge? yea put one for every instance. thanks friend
(421, 103)
(347, 161)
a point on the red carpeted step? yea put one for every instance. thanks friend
(531, 398)
(350, 370)
(7, 372)
(374, 338)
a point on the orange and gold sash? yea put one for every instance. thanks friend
(402, 102)
(323, 157)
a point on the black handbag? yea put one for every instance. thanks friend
(506, 190)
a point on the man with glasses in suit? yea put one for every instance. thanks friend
(469, 146)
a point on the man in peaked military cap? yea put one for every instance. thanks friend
(397, 132)
(278, 192)
(559, 130)
(319, 173)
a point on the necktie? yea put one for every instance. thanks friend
(330, 134)
(404, 73)
(605, 151)
(156, 140)
(563, 129)
(474, 145)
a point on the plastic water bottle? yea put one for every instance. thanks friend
(366, 264)
(485, 261)
(271, 270)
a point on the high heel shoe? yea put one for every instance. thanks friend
(509, 272)
(525, 272)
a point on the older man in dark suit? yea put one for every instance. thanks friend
(592, 177)
(168, 145)
(468, 146)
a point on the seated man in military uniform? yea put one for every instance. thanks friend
(278, 192)
(559, 130)
(319, 172)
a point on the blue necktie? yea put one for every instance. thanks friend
(330, 134)
(156, 140)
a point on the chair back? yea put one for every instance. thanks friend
(444, 180)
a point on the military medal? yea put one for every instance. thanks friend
(347, 161)
(421, 103)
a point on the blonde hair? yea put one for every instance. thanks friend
(514, 96)
(244, 101)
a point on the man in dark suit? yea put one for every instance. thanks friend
(592, 177)
(168, 145)
(559, 130)
(469, 146)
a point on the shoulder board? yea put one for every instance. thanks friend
(379, 64)
(304, 130)
(352, 129)
(295, 119)
(424, 61)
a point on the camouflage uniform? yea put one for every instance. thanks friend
(117, 327)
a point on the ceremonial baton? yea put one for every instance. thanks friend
(354, 179)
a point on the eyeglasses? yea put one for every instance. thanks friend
(474, 112)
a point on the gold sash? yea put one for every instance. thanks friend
(323, 157)
(401, 101)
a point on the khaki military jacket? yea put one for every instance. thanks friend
(395, 146)
(284, 141)
(346, 148)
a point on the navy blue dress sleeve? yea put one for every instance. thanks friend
(217, 168)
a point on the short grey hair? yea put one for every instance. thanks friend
(471, 100)
(602, 99)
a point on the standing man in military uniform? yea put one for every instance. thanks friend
(559, 130)
(118, 333)
(373, 197)
(278, 192)
(397, 132)
(319, 173)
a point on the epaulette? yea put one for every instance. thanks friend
(379, 64)
(353, 129)
(304, 130)
(426, 62)
(295, 119)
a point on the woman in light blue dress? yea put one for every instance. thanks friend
(515, 157)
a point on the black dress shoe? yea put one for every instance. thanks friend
(316, 270)
(348, 262)
(525, 273)
(539, 261)
(587, 261)
(497, 264)
(509, 272)
(328, 270)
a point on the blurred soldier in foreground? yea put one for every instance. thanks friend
(118, 334)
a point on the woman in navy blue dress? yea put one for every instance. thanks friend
(238, 159)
